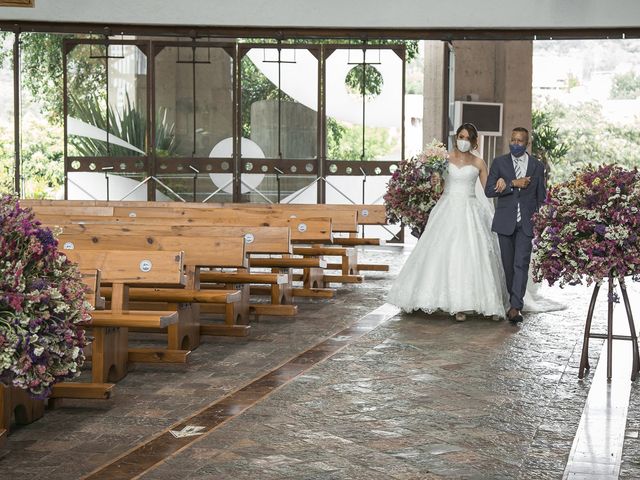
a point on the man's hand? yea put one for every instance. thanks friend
(521, 182)
(500, 185)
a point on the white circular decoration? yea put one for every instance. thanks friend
(145, 266)
(68, 246)
(249, 149)
(302, 227)
(365, 212)
(133, 214)
(249, 238)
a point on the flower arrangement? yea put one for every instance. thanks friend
(416, 186)
(589, 229)
(42, 306)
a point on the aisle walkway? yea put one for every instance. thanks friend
(407, 397)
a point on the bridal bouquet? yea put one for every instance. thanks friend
(416, 186)
(42, 306)
(589, 228)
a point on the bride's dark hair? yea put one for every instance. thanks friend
(472, 131)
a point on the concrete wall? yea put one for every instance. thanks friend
(433, 90)
(497, 72)
(299, 129)
(494, 71)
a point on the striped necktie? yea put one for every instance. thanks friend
(517, 164)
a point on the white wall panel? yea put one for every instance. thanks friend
(339, 13)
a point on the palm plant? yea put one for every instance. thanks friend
(130, 126)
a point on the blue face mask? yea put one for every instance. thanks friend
(517, 150)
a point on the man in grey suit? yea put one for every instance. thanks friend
(517, 180)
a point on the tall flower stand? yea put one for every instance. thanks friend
(15, 401)
(609, 336)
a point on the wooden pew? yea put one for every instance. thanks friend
(17, 403)
(303, 229)
(307, 230)
(344, 219)
(202, 251)
(84, 390)
(260, 240)
(340, 214)
(110, 353)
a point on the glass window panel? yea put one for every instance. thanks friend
(258, 187)
(86, 101)
(106, 120)
(348, 189)
(180, 133)
(288, 127)
(7, 154)
(103, 185)
(127, 101)
(369, 126)
(41, 132)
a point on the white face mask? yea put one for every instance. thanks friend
(463, 145)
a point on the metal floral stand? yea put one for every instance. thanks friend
(609, 336)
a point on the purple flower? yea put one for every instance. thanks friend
(42, 346)
(602, 239)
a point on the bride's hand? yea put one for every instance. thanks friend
(500, 185)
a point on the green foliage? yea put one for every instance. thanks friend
(335, 132)
(41, 154)
(255, 87)
(546, 143)
(626, 86)
(42, 72)
(590, 139)
(572, 82)
(6, 162)
(366, 81)
(345, 143)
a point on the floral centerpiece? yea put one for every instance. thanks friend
(589, 228)
(416, 186)
(42, 306)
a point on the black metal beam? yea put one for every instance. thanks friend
(356, 33)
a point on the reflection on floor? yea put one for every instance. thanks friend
(392, 397)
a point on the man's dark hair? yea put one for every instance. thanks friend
(523, 130)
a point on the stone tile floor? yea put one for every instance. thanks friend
(419, 397)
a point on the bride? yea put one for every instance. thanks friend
(455, 266)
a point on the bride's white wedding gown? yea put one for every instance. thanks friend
(455, 266)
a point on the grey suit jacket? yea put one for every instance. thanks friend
(530, 198)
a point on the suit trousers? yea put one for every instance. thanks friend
(515, 250)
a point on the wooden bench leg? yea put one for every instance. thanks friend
(109, 354)
(350, 262)
(313, 278)
(281, 294)
(184, 335)
(17, 402)
(236, 315)
(5, 408)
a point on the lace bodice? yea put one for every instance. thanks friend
(461, 181)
